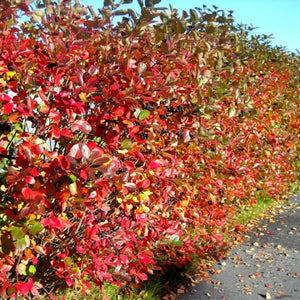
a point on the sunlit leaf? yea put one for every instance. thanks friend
(144, 114)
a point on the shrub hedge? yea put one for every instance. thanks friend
(127, 143)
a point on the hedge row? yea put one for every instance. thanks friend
(127, 144)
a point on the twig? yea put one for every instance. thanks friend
(80, 223)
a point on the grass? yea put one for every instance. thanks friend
(253, 212)
(150, 290)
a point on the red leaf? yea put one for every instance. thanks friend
(130, 186)
(69, 281)
(114, 87)
(7, 108)
(80, 249)
(34, 260)
(142, 276)
(29, 180)
(27, 193)
(66, 133)
(34, 171)
(218, 237)
(37, 149)
(146, 183)
(124, 259)
(154, 165)
(54, 222)
(24, 288)
(93, 70)
(82, 125)
(79, 150)
(4, 98)
(119, 111)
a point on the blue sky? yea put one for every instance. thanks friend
(278, 17)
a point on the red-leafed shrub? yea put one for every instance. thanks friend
(126, 145)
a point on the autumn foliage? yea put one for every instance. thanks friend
(126, 144)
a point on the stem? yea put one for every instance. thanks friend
(8, 145)
(80, 223)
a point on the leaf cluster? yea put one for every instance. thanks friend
(126, 145)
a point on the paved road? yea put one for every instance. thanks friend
(265, 266)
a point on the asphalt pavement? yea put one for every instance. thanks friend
(265, 266)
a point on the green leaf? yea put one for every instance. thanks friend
(73, 188)
(10, 22)
(108, 2)
(68, 261)
(22, 244)
(120, 12)
(10, 290)
(37, 15)
(126, 144)
(176, 243)
(194, 15)
(17, 233)
(144, 114)
(231, 112)
(73, 178)
(31, 270)
(35, 227)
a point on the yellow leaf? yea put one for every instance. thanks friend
(146, 208)
(82, 97)
(3, 82)
(10, 74)
(185, 203)
(32, 217)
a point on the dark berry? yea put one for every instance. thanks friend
(144, 136)
(164, 117)
(99, 220)
(173, 200)
(241, 114)
(120, 170)
(148, 107)
(179, 108)
(171, 110)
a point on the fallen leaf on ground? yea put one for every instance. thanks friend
(280, 269)
(268, 296)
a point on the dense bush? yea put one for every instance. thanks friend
(126, 144)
